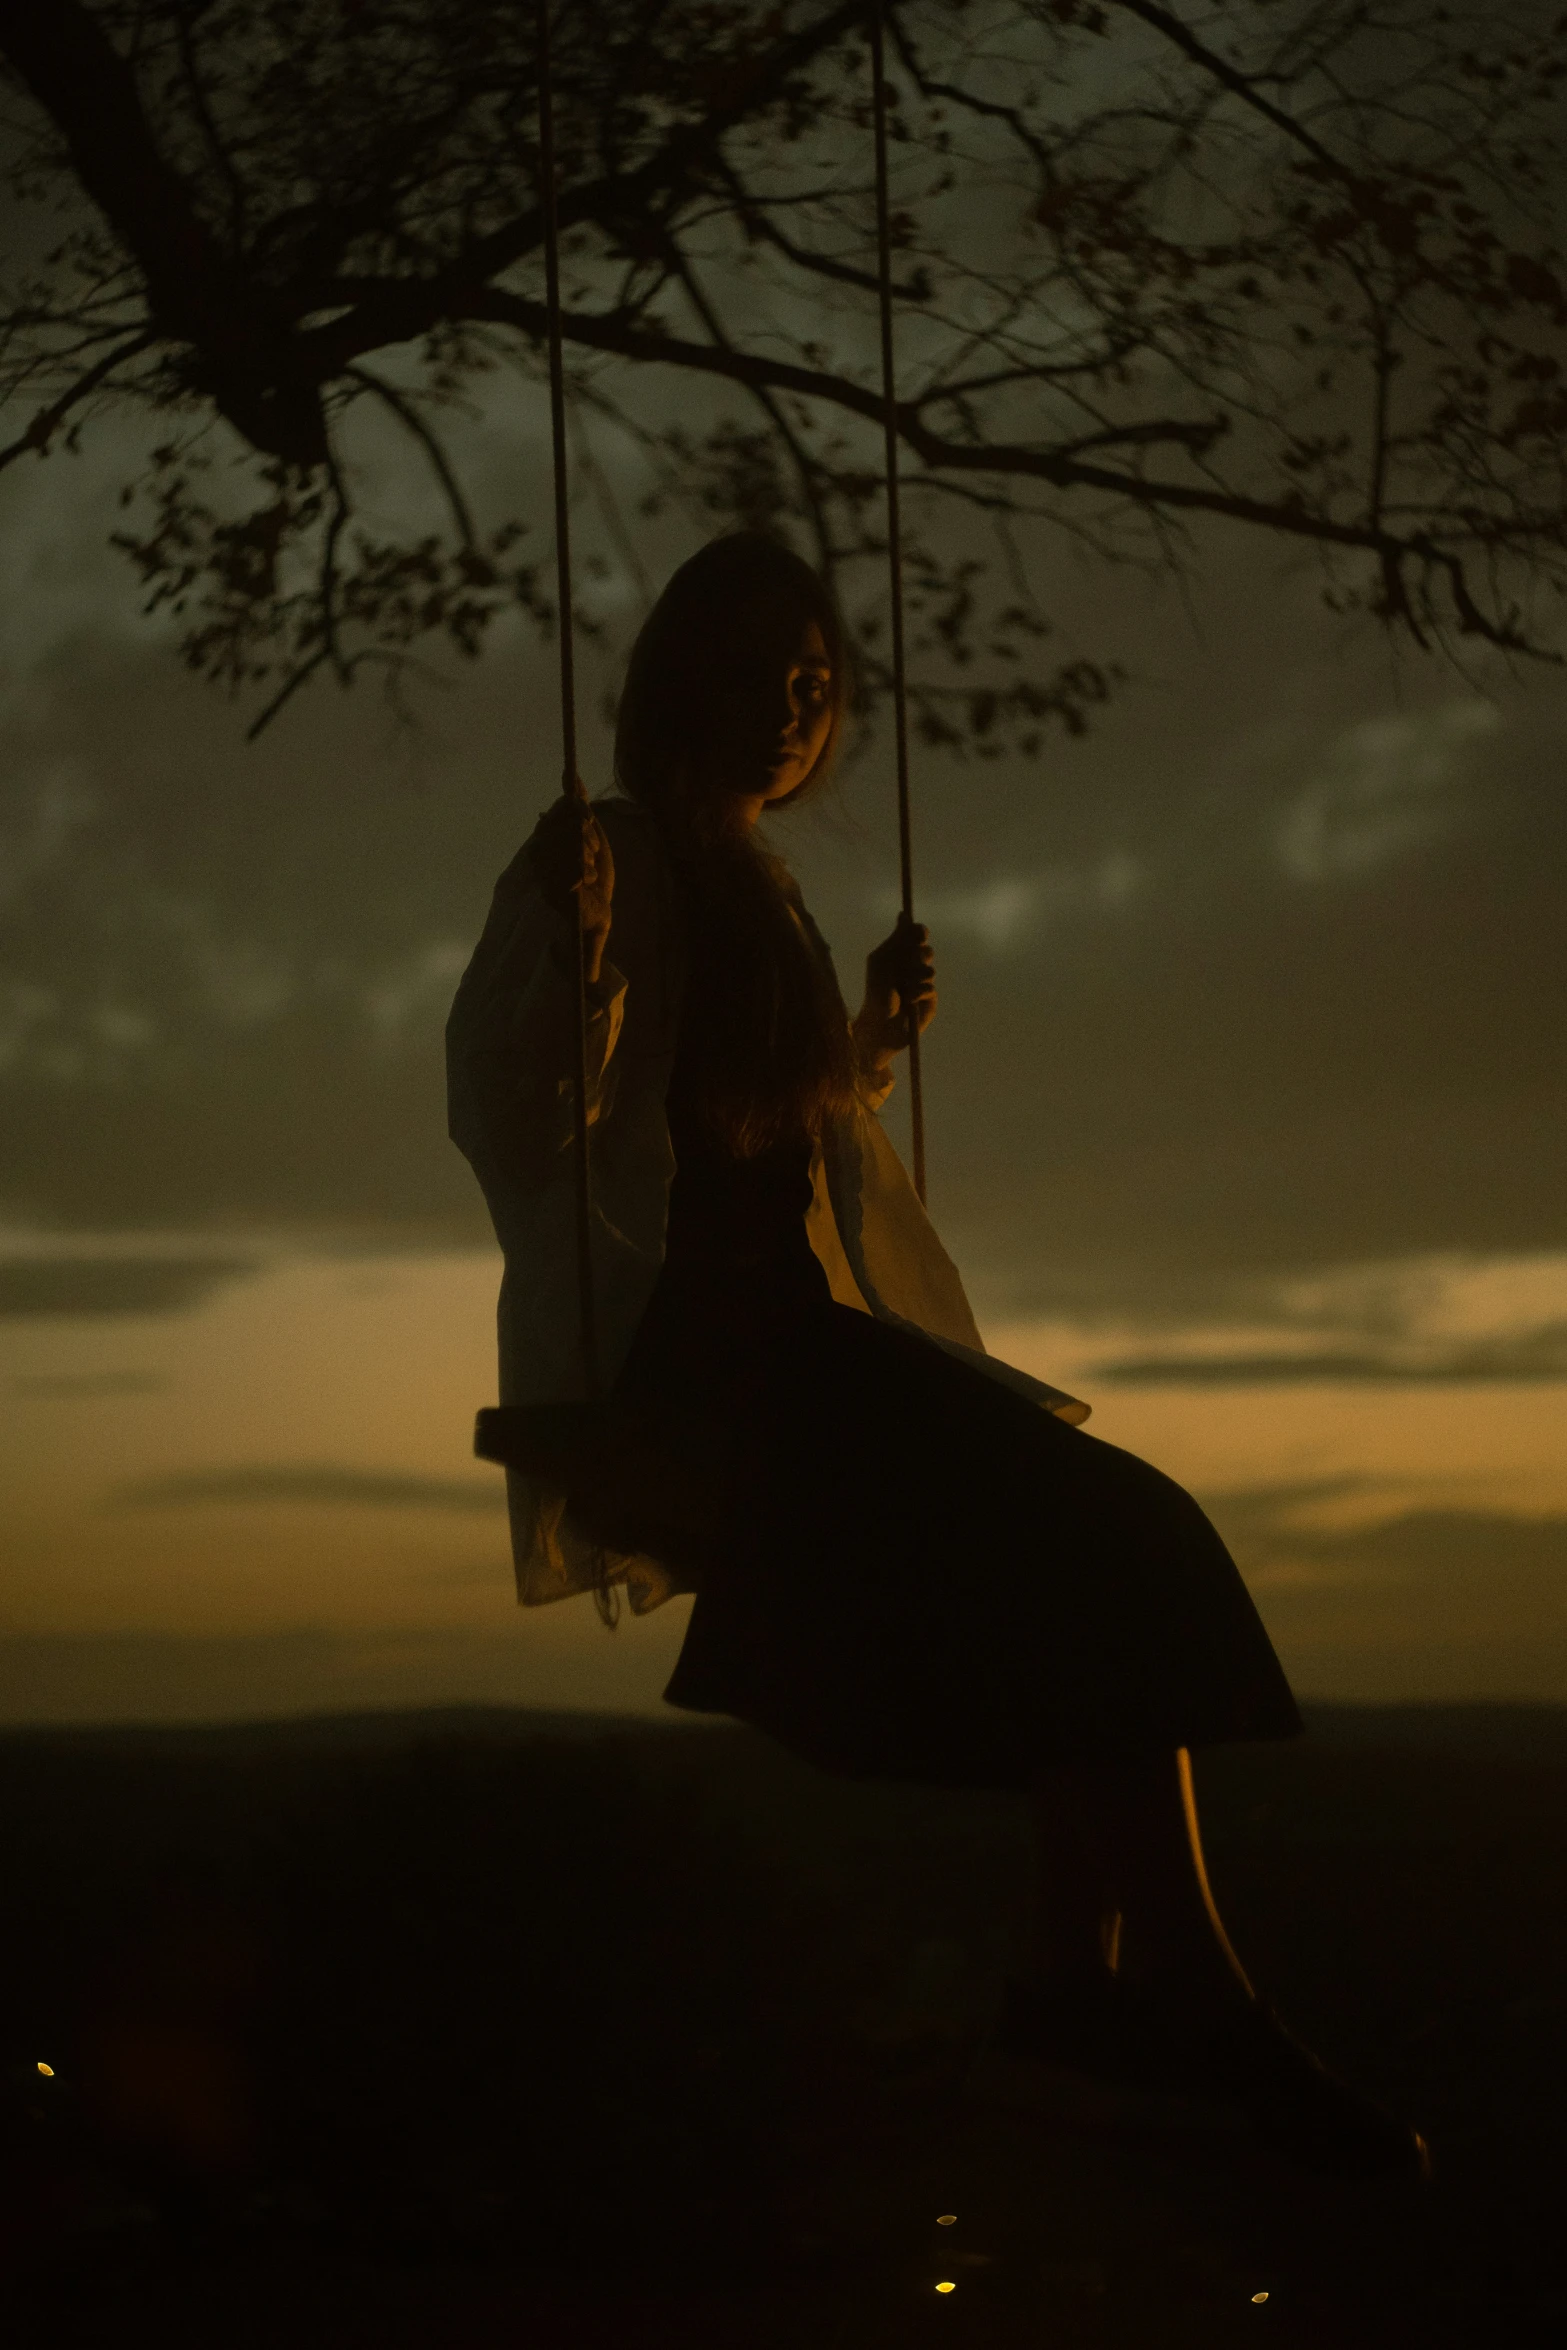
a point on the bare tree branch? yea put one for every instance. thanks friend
(1289, 267)
(48, 420)
(440, 464)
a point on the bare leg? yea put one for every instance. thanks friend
(1124, 1893)
(1077, 1924)
(1123, 1882)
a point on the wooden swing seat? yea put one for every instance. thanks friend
(628, 1476)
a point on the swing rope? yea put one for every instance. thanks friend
(889, 410)
(540, 1438)
(572, 787)
(571, 782)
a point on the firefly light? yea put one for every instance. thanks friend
(946, 2288)
(1259, 2296)
(47, 2070)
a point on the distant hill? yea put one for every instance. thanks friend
(1522, 1732)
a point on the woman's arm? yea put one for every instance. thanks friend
(899, 973)
(571, 855)
(511, 1037)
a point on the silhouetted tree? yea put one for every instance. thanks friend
(1284, 263)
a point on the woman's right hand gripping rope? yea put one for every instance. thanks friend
(572, 857)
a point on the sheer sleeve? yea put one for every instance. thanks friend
(873, 1083)
(874, 1080)
(511, 1037)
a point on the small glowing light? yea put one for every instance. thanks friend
(1259, 2296)
(946, 2219)
(946, 2288)
(47, 2070)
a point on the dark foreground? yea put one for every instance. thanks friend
(483, 2029)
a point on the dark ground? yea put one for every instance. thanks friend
(475, 2029)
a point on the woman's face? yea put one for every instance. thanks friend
(777, 727)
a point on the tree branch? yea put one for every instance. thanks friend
(1059, 467)
(398, 313)
(1043, 387)
(197, 293)
(48, 420)
(805, 471)
(757, 223)
(1241, 85)
(408, 416)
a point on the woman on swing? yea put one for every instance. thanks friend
(908, 1561)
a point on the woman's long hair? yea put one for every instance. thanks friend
(765, 1027)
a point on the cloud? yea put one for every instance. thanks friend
(1448, 1550)
(1427, 1563)
(1158, 1053)
(1383, 788)
(32, 1287)
(1485, 1580)
(1012, 908)
(415, 989)
(49, 805)
(316, 1485)
(1430, 1320)
(87, 1386)
(1270, 1504)
(1533, 1355)
(225, 972)
(1421, 1605)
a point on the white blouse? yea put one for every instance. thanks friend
(510, 1043)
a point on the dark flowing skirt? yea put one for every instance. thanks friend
(921, 1575)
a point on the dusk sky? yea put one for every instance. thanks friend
(1246, 1122)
